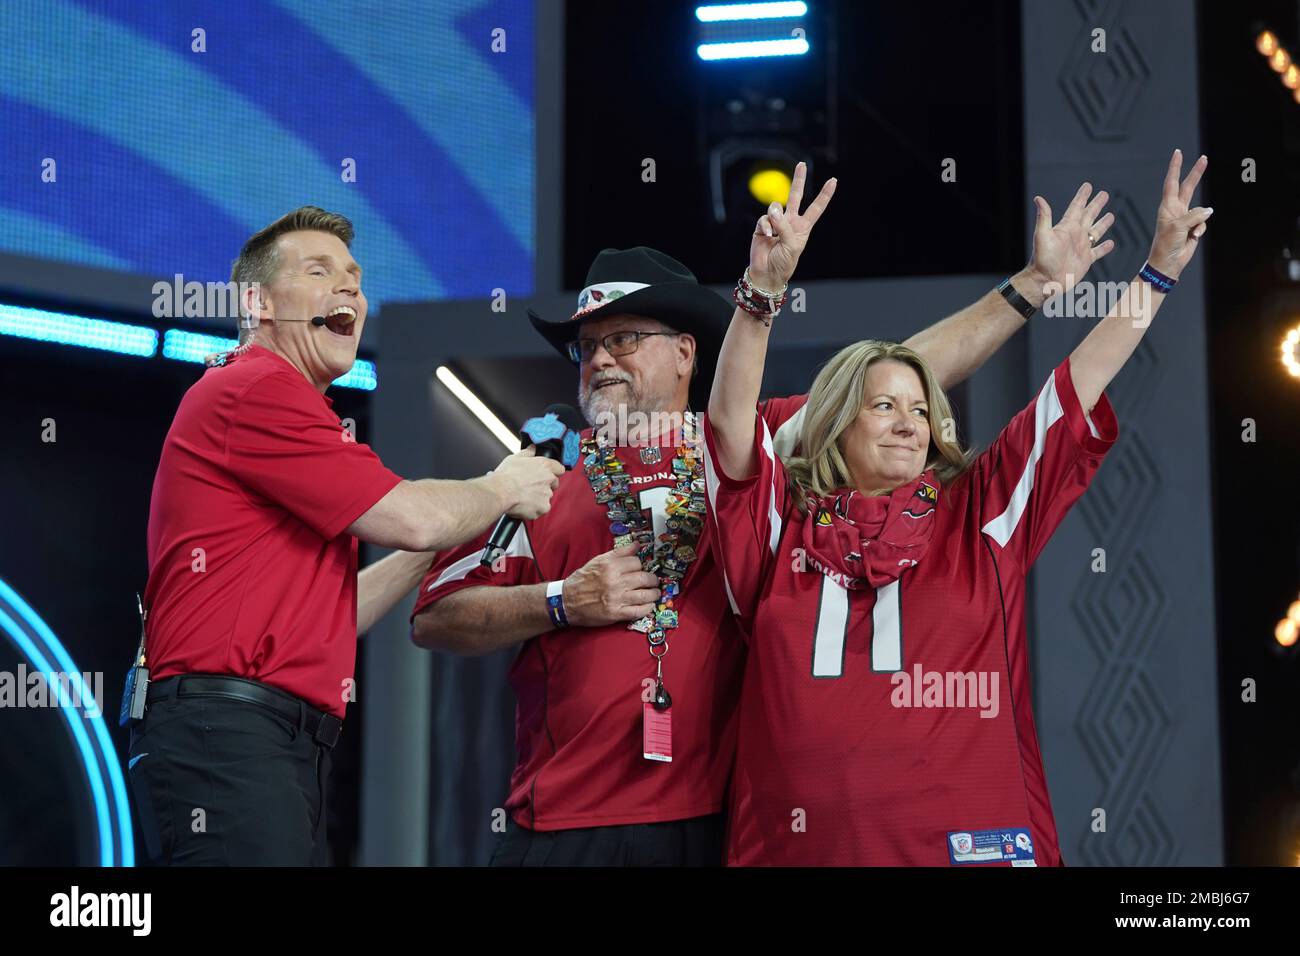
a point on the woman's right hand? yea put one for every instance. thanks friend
(1178, 228)
(781, 234)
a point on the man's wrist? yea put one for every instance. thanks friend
(503, 488)
(1030, 283)
(555, 604)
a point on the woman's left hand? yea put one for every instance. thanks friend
(781, 234)
(1178, 228)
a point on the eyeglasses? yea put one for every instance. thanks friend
(616, 343)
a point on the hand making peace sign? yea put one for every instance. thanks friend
(1178, 228)
(781, 234)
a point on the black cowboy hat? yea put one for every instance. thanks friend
(645, 281)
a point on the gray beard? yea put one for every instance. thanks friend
(595, 406)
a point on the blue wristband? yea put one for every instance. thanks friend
(1157, 279)
(555, 603)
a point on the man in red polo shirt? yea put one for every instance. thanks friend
(254, 597)
(629, 666)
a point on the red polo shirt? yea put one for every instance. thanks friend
(250, 571)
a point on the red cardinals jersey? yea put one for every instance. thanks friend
(578, 724)
(892, 726)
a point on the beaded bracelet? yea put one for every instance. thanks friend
(759, 303)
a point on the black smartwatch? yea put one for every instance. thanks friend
(1016, 300)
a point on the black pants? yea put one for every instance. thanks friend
(227, 783)
(693, 842)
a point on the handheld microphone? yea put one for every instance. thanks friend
(556, 436)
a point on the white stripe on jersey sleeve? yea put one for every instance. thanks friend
(773, 516)
(787, 436)
(1047, 411)
(520, 547)
(711, 489)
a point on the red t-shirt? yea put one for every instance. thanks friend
(578, 724)
(851, 751)
(250, 572)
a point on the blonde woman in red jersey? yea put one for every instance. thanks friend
(879, 578)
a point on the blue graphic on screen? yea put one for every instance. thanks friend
(167, 159)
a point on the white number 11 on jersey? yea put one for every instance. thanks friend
(833, 626)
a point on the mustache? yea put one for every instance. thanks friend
(596, 383)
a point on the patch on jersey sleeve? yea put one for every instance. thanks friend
(1009, 845)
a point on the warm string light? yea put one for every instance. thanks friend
(1280, 61)
(1288, 629)
(1291, 351)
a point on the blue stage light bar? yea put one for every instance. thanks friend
(722, 12)
(748, 49)
(363, 376)
(61, 328)
(195, 347)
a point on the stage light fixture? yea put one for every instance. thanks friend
(1279, 60)
(1291, 351)
(770, 184)
(1287, 630)
(480, 411)
(750, 49)
(746, 31)
(722, 12)
(61, 328)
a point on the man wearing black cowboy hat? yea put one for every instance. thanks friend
(630, 666)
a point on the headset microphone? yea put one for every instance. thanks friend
(318, 321)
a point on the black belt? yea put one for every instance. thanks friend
(324, 728)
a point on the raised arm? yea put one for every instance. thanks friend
(779, 239)
(958, 345)
(1100, 356)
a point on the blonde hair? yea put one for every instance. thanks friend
(834, 402)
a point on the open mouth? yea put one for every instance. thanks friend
(341, 321)
(606, 384)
